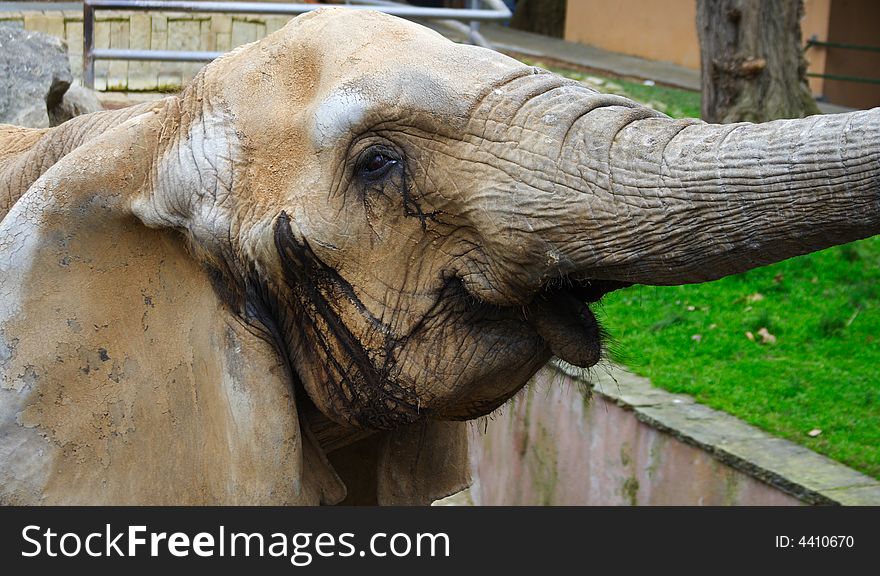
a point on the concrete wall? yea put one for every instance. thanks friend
(554, 446)
(155, 31)
(620, 441)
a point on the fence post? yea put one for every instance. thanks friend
(475, 26)
(88, 45)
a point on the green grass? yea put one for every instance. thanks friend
(821, 373)
(672, 101)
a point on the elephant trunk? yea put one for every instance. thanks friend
(635, 196)
(681, 202)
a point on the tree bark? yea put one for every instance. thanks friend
(753, 67)
(545, 17)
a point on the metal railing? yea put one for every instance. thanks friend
(495, 10)
(844, 46)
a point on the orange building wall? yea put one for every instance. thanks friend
(815, 23)
(664, 30)
(853, 22)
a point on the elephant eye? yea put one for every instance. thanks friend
(374, 164)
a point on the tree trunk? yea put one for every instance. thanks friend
(545, 17)
(753, 68)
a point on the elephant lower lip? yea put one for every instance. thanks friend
(568, 326)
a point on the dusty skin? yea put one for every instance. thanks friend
(293, 282)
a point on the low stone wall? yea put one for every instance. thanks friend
(620, 441)
(154, 31)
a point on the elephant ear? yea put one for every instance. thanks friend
(124, 377)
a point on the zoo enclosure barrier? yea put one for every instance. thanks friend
(843, 46)
(494, 10)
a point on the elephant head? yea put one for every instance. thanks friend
(361, 224)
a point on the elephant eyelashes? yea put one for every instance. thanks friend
(374, 163)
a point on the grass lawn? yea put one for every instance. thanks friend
(792, 348)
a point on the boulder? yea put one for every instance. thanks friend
(34, 75)
(77, 100)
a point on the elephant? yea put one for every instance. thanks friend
(295, 281)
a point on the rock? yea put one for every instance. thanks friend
(34, 75)
(77, 100)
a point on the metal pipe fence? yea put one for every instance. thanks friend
(494, 10)
(844, 46)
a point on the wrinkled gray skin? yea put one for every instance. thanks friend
(409, 229)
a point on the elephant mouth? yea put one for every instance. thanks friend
(561, 316)
(558, 319)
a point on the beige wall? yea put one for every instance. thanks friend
(662, 30)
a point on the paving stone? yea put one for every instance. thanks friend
(622, 386)
(777, 460)
(856, 495)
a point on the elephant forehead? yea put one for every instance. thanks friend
(338, 114)
(411, 97)
(341, 34)
(337, 69)
(414, 95)
(372, 60)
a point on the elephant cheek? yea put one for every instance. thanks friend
(496, 381)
